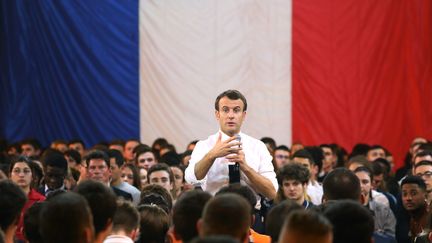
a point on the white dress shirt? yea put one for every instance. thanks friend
(256, 155)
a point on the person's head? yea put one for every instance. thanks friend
(276, 217)
(243, 191)
(304, 158)
(226, 214)
(186, 213)
(156, 194)
(158, 143)
(117, 144)
(296, 146)
(162, 175)
(379, 176)
(365, 176)
(73, 158)
(55, 169)
(306, 227)
(423, 169)
(126, 219)
(191, 145)
(422, 155)
(215, 239)
(143, 176)
(351, 222)
(116, 161)
(178, 173)
(293, 179)
(154, 224)
(230, 111)
(375, 152)
(145, 158)
(60, 144)
(78, 145)
(130, 174)
(329, 154)
(357, 161)
(340, 184)
(281, 156)
(270, 143)
(32, 223)
(21, 172)
(129, 148)
(66, 218)
(102, 202)
(30, 148)
(12, 201)
(413, 193)
(98, 166)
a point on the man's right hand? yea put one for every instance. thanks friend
(223, 148)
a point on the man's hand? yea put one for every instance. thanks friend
(221, 149)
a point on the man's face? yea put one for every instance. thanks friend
(293, 189)
(365, 183)
(425, 172)
(115, 170)
(413, 197)
(161, 178)
(146, 160)
(54, 177)
(329, 159)
(377, 181)
(230, 115)
(178, 176)
(143, 176)
(375, 154)
(281, 157)
(77, 147)
(128, 151)
(28, 150)
(98, 170)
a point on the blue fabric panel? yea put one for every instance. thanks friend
(69, 69)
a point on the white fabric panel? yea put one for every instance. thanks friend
(192, 50)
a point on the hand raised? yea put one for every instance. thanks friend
(223, 148)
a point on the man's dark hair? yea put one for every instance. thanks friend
(303, 153)
(154, 224)
(65, 219)
(277, 216)
(269, 141)
(414, 180)
(142, 150)
(351, 221)
(423, 163)
(32, 223)
(33, 142)
(282, 147)
(73, 141)
(97, 154)
(187, 211)
(160, 167)
(117, 155)
(423, 153)
(232, 95)
(126, 217)
(74, 154)
(385, 164)
(227, 214)
(308, 223)
(341, 183)
(12, 200)
(102, 202)
(317, 154)
(293, 171)
(54, 158)
(359, 149)
(242, 191)
(149, 196)
(376, 146)
(215, 239)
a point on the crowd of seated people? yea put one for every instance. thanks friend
(128, 191)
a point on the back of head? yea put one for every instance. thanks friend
(32, 223)
(126, 217)
(226, 214)
(351, 221)
(341, 184)
(186, 213)
(277, 216)
(154, 224)
(243, 191)
(66, 218)
(12, 200)
(102, 202)
(156, 194)
(215, 239)
(309, 226)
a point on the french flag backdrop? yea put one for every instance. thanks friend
(314, 71)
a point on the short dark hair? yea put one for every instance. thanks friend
(341, 183)
(160, 167)
(276, 217)
(308, 223)
(33, 142)
(12, 201)
(126, 217)
(77, 141)
(241, 190)
(97, 154)
(303, 153)
(293, 171)
(117, 155)
(74, 154)
(423, 163)
(148, 196)
(232, 95)
(414, 180)
(351, 221)
(282, 147)
(187, 211)
(154, 224)
(102, 202)
(32, 223)
(65, 218)
(54, 158)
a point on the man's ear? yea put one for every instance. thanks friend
(217, 115)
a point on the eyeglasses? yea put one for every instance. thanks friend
(18, 171)
(426, 175)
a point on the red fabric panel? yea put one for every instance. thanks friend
(362, 72)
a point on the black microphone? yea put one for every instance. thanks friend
(234, 169)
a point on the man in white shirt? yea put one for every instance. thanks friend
(210, 159)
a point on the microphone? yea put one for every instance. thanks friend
(234, 169)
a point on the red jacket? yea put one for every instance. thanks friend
(32, 197)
